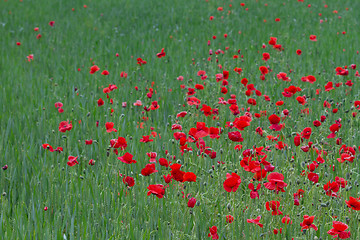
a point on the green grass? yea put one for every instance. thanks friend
(92, 202)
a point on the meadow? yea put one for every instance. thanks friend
(204, 119)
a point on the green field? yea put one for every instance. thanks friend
(212, 67)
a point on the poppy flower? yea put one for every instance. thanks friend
(189, 177)
(191, 203)
(329, 87)
(129, 181)
(193, 101)
(235, 136)
(161, 54)
(100, 102)
(140, 61)
(229, 219)
(157, 189)
(200, 131)
(275, 182)
(308, 223)
(148, 169)
(110, 127)
(213, 230)
(298, 52)
(331, 188)
(283, 76)
(286, 219)
(264, 70)
(206, 109)
(313, 177)
(338, 230)
(59, 149)
(232, 182)
(118, 143)
(256, 221)
(353, 203)
(146, 139)
(72, 161)
(274, 121)
(88, 142)
(274, 207)
(334, 128)
(91, 162)
(242, 122)
(127, 158)
(65, 126)
(176, 173)
(94, 69)
(48, 146)
(167, 178)
(163, 162)
(272, 40)
(313, 38)
(266, 56)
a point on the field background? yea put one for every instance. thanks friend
(91, 202)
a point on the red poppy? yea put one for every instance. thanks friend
(213, 230)
(140, 61)
(338, 230)
(118, 143)
(127, 158)
(105, 72)
(274, 207)
(100, 102)
(91, 162)
(146, 139)
(48, 146)
(286, 219)
(164, 162)
(266, 56)
(167, 178)
(229, 218)
(313, 38)
(275, 182)
(274, 121)
(88, 142)
(110, 127)
(157, 189)
(65, 126)
(123, 75)
(353, 203)
(232, 182)
(242, 122)
(331, 188)
(308, 223)
(176, 173)
(129, 181)
(313, 177)
(191, 203)
(94, 69)
(298, 52)
(181, 114)
(235, 136)
(161, 54)
(189, 177)
(193, 101)
(72, 161)
(329, 87)
(148, 169)
(283, 76)
(256, 221)
(264, 70)
(206, 109)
